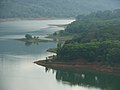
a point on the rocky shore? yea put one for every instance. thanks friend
(77, 65)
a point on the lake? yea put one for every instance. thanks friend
(18, 72)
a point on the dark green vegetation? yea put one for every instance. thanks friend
(106, 52)
(96, 38)
(53, 8)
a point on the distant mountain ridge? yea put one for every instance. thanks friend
(53, 8)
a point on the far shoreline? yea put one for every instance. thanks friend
(38, 19)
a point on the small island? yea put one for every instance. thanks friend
(29, 39)
(94, 43)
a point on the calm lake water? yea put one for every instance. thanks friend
(18, 72)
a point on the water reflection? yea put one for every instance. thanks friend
(104, 81)
(27, 43)
(30, 43)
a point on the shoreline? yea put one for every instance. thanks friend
(78, 65)
(38, 19)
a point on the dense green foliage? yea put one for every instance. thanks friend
(106, 51)
(96, 40)
(95, 30)
(52, 8)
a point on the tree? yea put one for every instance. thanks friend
(28, 36)
(55, 33)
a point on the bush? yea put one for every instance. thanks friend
(28, 36)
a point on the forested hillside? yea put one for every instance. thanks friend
(53, 8)
(97, 26)
(96, 38)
